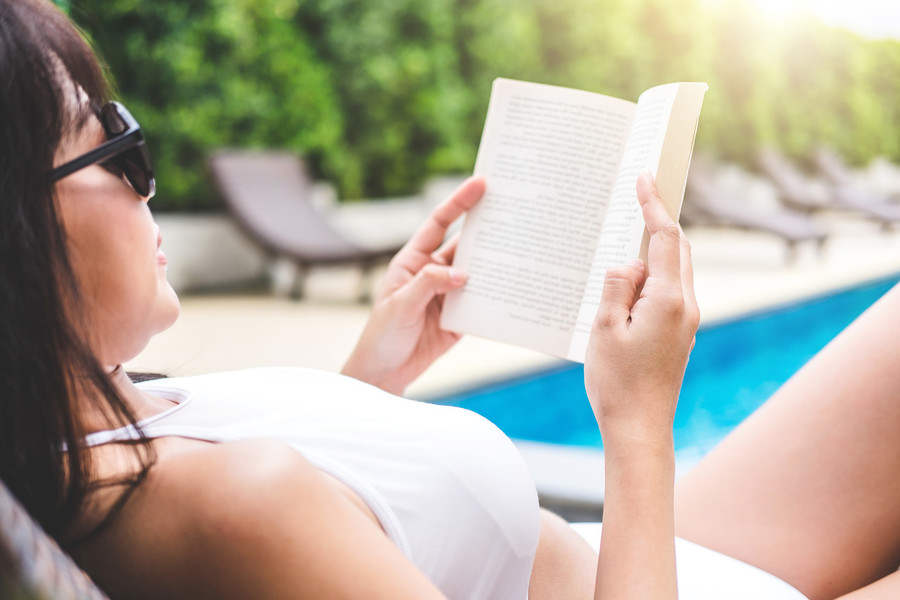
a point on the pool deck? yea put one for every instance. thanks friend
(735, 273)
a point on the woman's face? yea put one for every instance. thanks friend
(114, 246)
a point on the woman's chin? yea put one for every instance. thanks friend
(173, 305)
(167, 309)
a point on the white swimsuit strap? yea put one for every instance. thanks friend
(131, 431)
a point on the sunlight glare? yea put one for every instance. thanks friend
(870, 18)
(778, 10)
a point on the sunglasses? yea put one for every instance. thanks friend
(123, 150)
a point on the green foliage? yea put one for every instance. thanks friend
(397, 83)
(379, 95)
(203, 75)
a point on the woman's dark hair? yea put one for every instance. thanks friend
(45, 362)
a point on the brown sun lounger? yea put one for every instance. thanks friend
(833, 167)
(796, 190)
(268, 193)
(706, 205)
(836, 171)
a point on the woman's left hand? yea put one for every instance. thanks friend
(644, 332)
(403, 335)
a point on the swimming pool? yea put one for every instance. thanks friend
(734, 367)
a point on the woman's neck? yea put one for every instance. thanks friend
(141, 404)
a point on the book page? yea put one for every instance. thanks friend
(549, 156)
(661, 141)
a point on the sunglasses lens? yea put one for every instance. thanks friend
(134, 162)
(113, 122)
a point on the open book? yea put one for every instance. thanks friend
(560, 207)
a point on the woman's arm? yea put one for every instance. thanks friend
(403, 335)
(639, 348)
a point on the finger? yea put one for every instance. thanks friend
(687, 272)
(431, 234)
(620, 287)
(445, 253)
(663, 256)
(656, 217)
(429, 282)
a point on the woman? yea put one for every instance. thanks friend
(286, 483)
(291, 483)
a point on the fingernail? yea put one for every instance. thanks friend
(647, 176)
(457, 276)
(637, 263)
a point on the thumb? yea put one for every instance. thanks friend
(620, 288)
(429, 282)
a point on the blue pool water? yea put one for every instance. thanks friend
(734, 367)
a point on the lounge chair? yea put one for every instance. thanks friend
(832, 167)
(31, 564)
(798, 191)
(883, 177)
(707, 204)
(836, 171)
(269, 195)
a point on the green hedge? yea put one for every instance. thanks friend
(378, 95)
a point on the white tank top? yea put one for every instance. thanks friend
(448, 487)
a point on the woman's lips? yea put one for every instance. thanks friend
(160, 255)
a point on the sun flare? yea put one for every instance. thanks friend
(778, 9)
(871, 18)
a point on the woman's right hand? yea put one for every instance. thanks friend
(643, 332)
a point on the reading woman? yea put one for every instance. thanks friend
(280, 483)
(289, 483)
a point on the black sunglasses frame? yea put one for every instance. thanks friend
(113, 151)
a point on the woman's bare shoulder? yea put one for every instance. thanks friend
(243, 470)
(234, 480)
(250, 518)
(196, 501)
